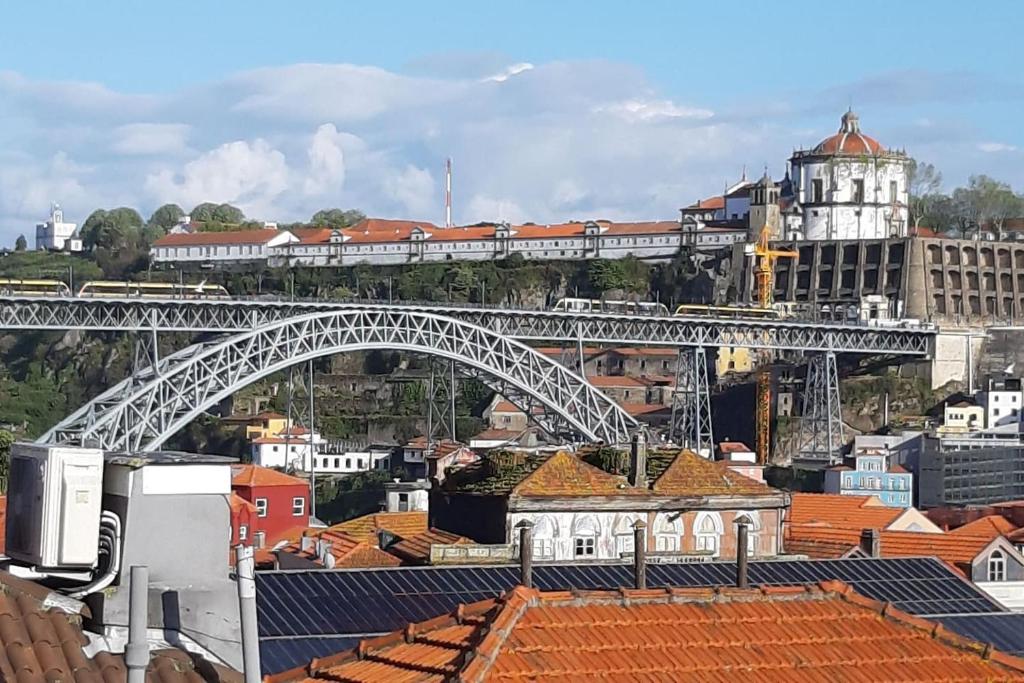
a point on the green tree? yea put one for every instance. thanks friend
(923, 183)
(336, 218)
(21, 244)
(166, 217)
(6, 441)
(114, 229)
(217, 213)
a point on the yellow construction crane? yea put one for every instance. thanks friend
(764, 284)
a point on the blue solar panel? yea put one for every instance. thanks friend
(287, 653)
(318, 603)
(1004, 631)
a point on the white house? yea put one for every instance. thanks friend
(1002, 402)
(54, 234)
(351, 462)
(289, 449)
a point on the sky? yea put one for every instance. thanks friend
(550, 110)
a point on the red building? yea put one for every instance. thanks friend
(280, 503)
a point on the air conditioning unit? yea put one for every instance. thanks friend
(53, 505)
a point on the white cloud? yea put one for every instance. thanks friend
(414, 190)
(993, 147)
(250, 175)
(649, 110)
(326, 161)
(150, 138)
(510, 71)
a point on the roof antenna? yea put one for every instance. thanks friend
(448, 193)
(744, 177)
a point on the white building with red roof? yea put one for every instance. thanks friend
(850, 187)
(235, 246)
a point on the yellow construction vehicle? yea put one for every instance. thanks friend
(764, 284)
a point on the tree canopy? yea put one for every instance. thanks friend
(983, 204)
(20, 244)
(336, 218)
(217, 213)
(166, 217)
(113, 229)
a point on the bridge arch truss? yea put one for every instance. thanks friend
(143, 411)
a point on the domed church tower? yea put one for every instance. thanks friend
(850, 187)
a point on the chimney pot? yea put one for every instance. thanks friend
(525, 553)
(638, 461)
(640, 554)
(742, 531)
(871, 542)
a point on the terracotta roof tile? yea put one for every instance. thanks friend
(991, 526)
(416, 549)
(803, 633)
(238, 504)
(347, 550)
(254, 475)
(691, 475)
(194, 239)
(402, 524)
(955, 549)
(566, 475)
(851, 512)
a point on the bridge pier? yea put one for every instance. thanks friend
(819, 439)
(441, 392)
(691, 403)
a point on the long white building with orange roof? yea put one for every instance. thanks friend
(376, 241)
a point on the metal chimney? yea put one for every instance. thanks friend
(525, 553)
(742, 531)
(136, 651)
(246, 578)
(640, 554)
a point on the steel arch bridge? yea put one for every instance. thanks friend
(143, 411)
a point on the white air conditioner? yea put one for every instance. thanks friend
(53, 505)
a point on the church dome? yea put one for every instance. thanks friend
(849, 139)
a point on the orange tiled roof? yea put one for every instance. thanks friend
(254, 475)
(691, 475)
(802, 633)
(416, 549)
(716, 202)
(497, 435)
(644, 408)
(347, 550)
(566, 475)
(238, 504)
(197, 239)
(850, 512)
(991, 526)
(952, 548)
(402, 524)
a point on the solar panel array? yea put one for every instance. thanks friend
(297, 608)
(1005, 631)
(281, 654)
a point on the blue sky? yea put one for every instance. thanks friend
(551, 110)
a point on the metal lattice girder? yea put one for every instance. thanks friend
(441, 388)
(691, 404)
(820, 434)
(540, 326)
(141, 416)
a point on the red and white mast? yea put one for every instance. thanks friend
(448, 193)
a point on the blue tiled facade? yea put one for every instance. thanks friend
(872, 476)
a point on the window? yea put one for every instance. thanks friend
(243, 532)
(403, 502)
(298, 506)
(997, 566)
(337, 463)
(584, 546)
(261, 507)
(894, 191)
(544, 533)
(858, 191)
(585, 532)
(817, 191)
(709, 531)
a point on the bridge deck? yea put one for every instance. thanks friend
(237, 315)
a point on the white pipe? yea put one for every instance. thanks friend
(246, 577)
(112, 540)
(136, 652)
